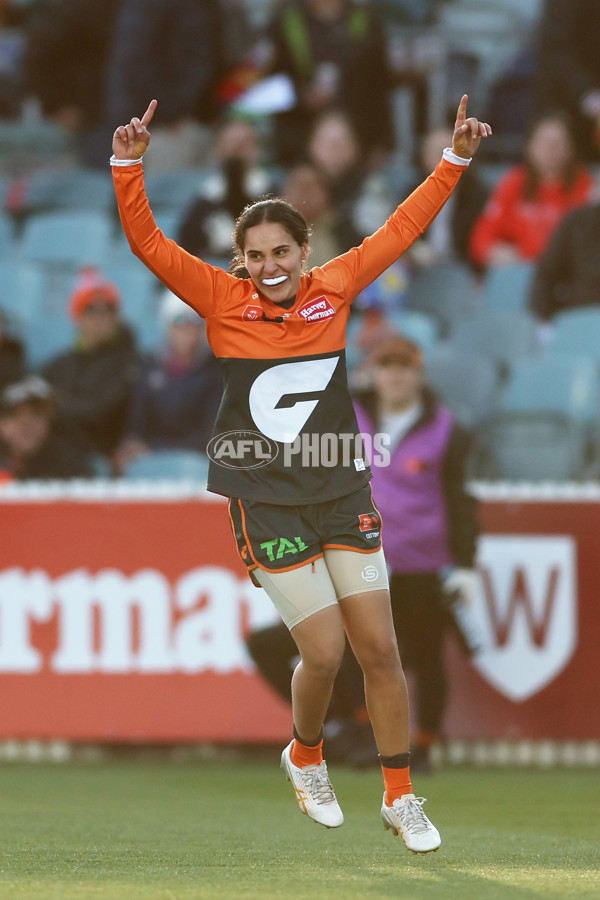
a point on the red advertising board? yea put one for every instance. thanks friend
(123, 613)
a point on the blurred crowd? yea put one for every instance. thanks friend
(342, 107)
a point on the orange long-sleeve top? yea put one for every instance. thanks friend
(284, 370)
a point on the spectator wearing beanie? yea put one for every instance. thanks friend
(178, 391)
(93, 380)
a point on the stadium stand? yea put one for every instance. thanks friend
(7, 236)
(446, 291)
(560, 384)
(23, 288)
(140, 293)
(467, 385)
(168, 464)
(69, 238)
(532, 446)
(46, 336)
(504, 336)
(576, 332)
(507, 287)
(79, 189)
(365, 326)
(174, 190)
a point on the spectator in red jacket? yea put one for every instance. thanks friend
(531, 199)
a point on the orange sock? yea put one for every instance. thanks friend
(301, 755)
(397, 783)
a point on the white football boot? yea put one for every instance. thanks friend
(314, 792)
(406, 818)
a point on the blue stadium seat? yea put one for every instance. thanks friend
(417, 326)
(7, 237)
(169, 464)
(174, 190)
(532, 446)
(467, 385)
(140, 296)
(577, 332)
(500, 335)
(75, 189)
(67, 238)
(562, 384)
(23, 290)
(47, 336)
(507, 287)
(446, 291)
(169, 221)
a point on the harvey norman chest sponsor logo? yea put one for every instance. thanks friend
(317, 310)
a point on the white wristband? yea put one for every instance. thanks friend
(450, 156)
(124, 162)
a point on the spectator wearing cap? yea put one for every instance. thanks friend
(93, 380)
(30, 445)
(177, 392)
(429, 535)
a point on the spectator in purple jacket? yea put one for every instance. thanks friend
(430, 531)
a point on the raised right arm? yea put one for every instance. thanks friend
(200, 285)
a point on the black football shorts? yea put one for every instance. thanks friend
(280, 538)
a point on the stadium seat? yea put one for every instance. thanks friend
(417, 326)
(76, 189)
(169, 221)
(503, 336)
(174, 190)
(560, 384)
(540, 446)
(66, 238)
(167, 464)
(577, 332)
(47, 336)
(401, 178)
(24, 145)
(140, 296)
(6, 237)
(101, 466)
(507, 287)
(467, 385)
(445, 291)
(23, 289)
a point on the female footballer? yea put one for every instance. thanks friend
(287, 453)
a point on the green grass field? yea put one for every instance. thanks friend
(230, 830)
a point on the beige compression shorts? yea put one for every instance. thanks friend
(303, 591)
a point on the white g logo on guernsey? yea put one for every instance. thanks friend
(303, 377)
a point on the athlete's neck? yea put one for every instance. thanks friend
(287, 304)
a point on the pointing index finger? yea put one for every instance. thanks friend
(461, 115)
(147, 117)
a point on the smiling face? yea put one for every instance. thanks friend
(274, 260)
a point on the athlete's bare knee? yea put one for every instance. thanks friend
(379, 656)
(323, 662)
